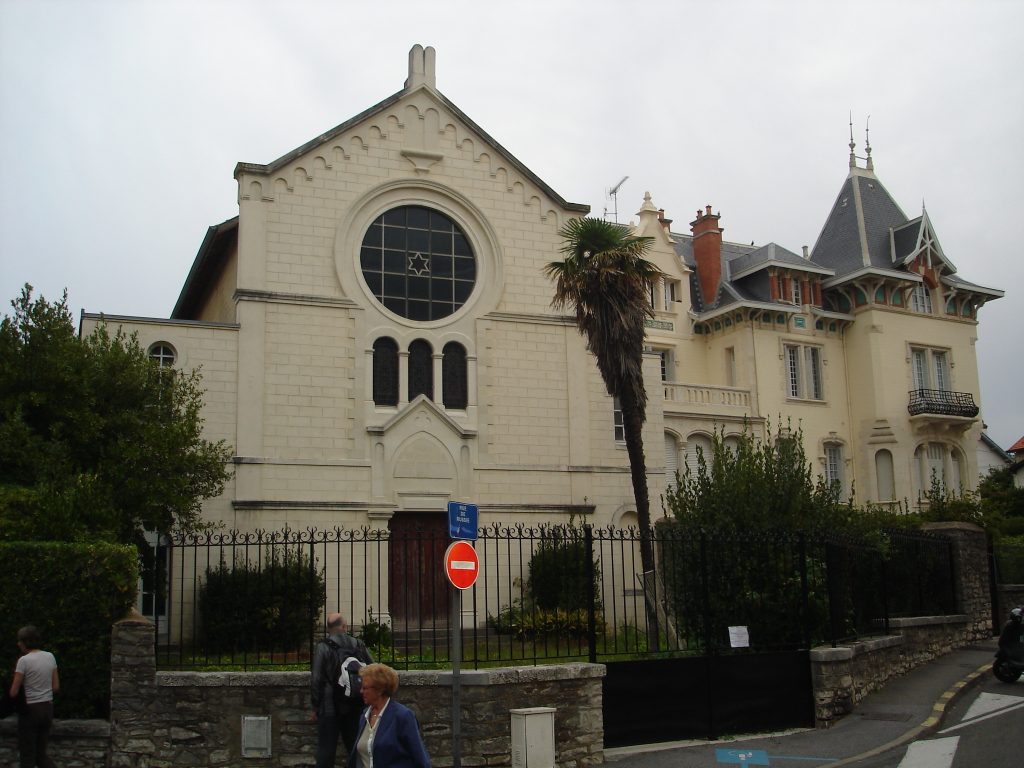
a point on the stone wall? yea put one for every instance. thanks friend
(164, 719)
(844, 675)
(73, 743)
(1009, 597)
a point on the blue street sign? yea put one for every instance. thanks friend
(463, 520)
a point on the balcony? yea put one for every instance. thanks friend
(703, 399)
(941, 402)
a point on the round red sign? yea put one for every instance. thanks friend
(461, 564)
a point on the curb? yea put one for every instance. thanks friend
(930, 724)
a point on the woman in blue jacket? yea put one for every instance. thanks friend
(389, 736)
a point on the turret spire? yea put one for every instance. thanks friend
(853, 157)
(867, 144)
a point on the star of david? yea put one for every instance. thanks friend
(419, 265)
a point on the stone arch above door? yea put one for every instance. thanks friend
(422, 458)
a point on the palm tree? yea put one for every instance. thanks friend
(605, 279)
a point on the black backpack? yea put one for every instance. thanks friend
(346, 680)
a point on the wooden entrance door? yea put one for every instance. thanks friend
(418, 591)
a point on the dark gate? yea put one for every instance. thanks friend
(706, 697)
(417, 590)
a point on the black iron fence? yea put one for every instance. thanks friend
(544, 594)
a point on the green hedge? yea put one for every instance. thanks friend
(73, 592)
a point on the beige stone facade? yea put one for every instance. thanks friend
(341, 415)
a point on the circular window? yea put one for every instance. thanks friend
(418, 263)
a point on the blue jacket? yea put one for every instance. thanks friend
(397, 743)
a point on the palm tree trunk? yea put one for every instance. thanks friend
(632, 424)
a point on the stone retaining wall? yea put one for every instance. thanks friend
(182, 719)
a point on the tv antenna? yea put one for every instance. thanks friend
(613, 193)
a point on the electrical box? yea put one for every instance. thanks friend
(255, 736)
(533, 737)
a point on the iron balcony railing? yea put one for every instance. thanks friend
(942, 402)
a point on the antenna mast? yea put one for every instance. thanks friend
(613, 193)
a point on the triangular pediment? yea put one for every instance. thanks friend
(422, 415)
(420, 123)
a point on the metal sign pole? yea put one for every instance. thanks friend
(456, 646)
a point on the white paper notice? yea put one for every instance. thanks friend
(739, 637)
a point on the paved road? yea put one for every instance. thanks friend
(877, 734)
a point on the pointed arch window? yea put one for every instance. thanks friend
(421, 369)
(385, 372)
(454, 389)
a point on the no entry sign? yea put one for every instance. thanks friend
(461, 564)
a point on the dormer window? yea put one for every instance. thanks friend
(921, 299)
(671, 294)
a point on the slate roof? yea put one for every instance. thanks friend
(842, 244)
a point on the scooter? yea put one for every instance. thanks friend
(1009, 663)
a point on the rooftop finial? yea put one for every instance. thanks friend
(867, 143)
(853, 158)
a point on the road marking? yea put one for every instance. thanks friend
(990, 702)
(937, 753)
(741, 756)
(1018, 704)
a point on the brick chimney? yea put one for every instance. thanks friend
(707, 252)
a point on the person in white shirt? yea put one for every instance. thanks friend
(37, 673)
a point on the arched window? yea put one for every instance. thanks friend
(695, 446)
(454, 389)
(959, 470)
(385, 372)
(671, 460)
(884, 475)
(162, 354)
(834, 466)
(421, 370)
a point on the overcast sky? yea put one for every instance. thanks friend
(121, 123)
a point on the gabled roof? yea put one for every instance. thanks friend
(218, 243)
(994, 447)
(382, 106)
(916, 237)
(771, 255)
(1016, 447)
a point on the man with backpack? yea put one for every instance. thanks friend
(335, 711)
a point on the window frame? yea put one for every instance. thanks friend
(803, 366)
(163, 354)
(931, 368)
(834, 473)
(921, 299)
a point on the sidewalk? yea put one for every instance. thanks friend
(906, 708)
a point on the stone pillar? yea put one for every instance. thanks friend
(970, 563)
(132, 692)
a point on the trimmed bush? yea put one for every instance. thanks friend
(261, 605)
(74, 592)
(559, 574)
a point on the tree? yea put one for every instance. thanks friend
(760, 485)
(604, 279)
(96, 440)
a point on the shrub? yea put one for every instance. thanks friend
(74, 592)
(253, 606)
(560, 576)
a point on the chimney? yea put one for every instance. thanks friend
(666, 224)
(707, 252)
